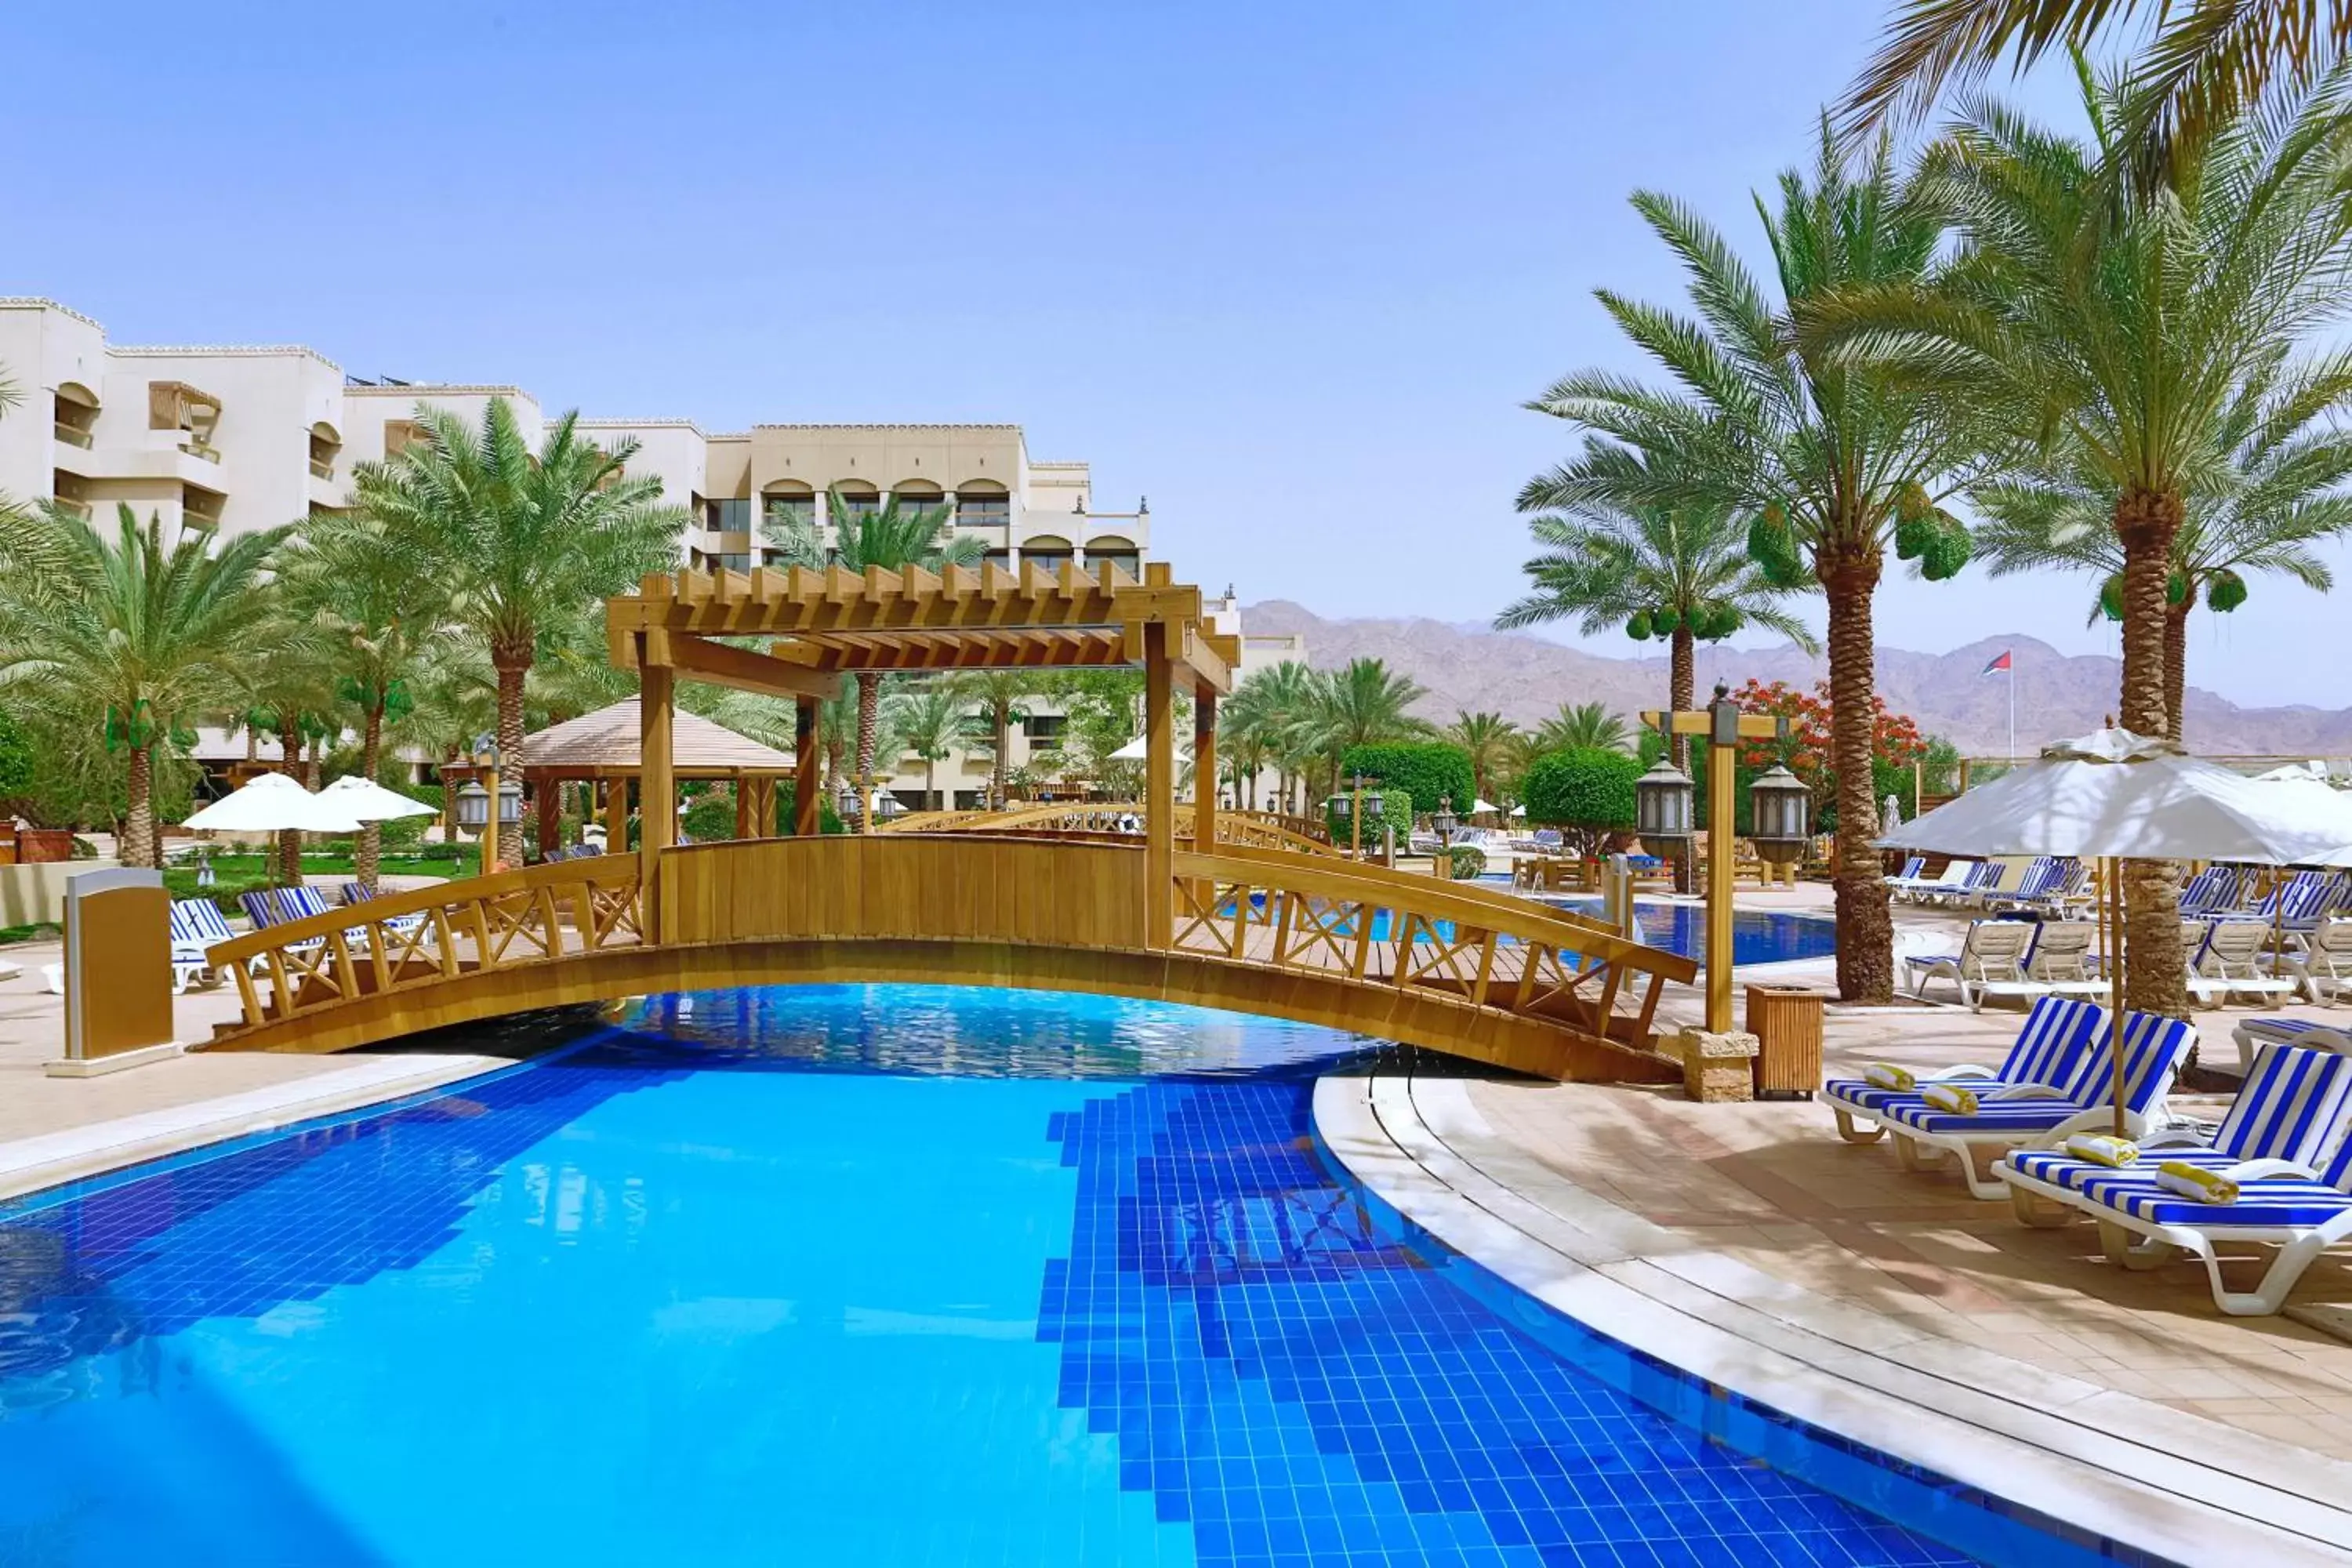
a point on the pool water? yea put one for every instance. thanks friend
(859, 1275)
(1758, 936)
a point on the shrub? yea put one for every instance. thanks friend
(710, 816)
(1426, 770)
(1585, 792)
(1468, 861)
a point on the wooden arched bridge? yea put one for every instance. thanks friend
(1197, 905)
(1409, 958)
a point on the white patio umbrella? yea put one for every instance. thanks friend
(371, 802)
(2114, 795)
(1478, 806)
(1136, 751)
(274, 803)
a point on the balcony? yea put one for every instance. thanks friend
(74, 435)
(319, 470)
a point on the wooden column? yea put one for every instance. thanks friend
(658, 788)
(1204, 770)
(1159, 791)
(1722, 809)
(805, 766)
(547, 797)
(616, 816)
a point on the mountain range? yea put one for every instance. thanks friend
(2058, 695)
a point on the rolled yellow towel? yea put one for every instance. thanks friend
(2196, 1182)
(1887, 1075)
(2102, 1148)
(1950, 1097)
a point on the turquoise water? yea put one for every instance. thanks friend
(859, 1275)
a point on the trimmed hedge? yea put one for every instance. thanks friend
(1396, 811)
(1584, 790)
(1428, 771)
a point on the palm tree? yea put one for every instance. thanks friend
(1831, 458)
(1269, 713)
(929, 720)
(1000, 697)
(1488, 737)
(1361, 704)
(359, 587)
(520, 539)
(2118, 326)
(2269, 493)
(891, 537)
(1584, 727)
(1680, 572)
(2206, 63)
(135, 635)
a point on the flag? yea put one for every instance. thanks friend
(2000, 663)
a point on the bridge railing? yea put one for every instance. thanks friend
(507, 921)
(1249, 830)
(1415, 932)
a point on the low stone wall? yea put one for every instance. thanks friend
(32, 895)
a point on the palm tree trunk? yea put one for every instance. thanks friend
(931, 784)
(289, 757)
(2155, 971)
(869, 706)
(2176, 662)
(1001, 716)
(512, 668)
(138, 845)
(370, 845)
(1682, 692)
(1865, 921)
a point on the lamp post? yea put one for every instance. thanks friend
(1441, 821)
(485, 805)
(1662, 807)
(1351, 806)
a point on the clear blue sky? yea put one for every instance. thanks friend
(1289, 269)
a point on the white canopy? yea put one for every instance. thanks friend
(1476, 807)
(1135, 750)
(369, 801)
(2113, 792)
(274, 803)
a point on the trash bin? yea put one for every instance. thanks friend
(1787, 1023)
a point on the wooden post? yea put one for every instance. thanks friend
(1205, 771)
(1722, 810)
(1159, 791)
(491, 829)
(658, 791)
(806, 763)
(616, 816)
(547, 797)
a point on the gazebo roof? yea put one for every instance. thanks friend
(605, 743)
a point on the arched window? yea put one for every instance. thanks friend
(326, 441)
(982, 503)
(1046, 549)
(1119, 552)
(858, 499)
(788, 503)
(76, 414)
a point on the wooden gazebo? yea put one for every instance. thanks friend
(813, 628)
(604, 751)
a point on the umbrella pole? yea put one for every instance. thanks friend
(2114, 887)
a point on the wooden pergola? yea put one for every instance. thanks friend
(799, 632)
(603, 750)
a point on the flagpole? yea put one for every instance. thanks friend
(2012, 710)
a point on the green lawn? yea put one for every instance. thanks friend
(235, 874)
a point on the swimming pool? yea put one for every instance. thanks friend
(1758, 936)
(859, 1275)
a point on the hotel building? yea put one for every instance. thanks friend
(233, 439)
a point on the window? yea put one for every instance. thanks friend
(789, 510)
(984, 506)
(1045, 550)
(1044, 730)
(732, 515)
(1119, 552)
(862, 501)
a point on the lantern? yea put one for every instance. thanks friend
(1443, 818)
(1783, 810)
(1661, 804)
(1372, 806)
(473, 807)
(510, 802)
(1342, 806)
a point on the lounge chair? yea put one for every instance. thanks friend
(2060, 961)
(2323, 1034)
(2284, 1200)
(2030, 880)
(2325, 965)
(353, 896)
(1910, 877)
(2057, 1036)
(2301, 903)
(2044, 887)
(1984, 874)
(267, 907)
(197, 926)
(1991, 953)
(2227, 961)
(1955, 876)
(2153, 1048)
(2211, 891)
